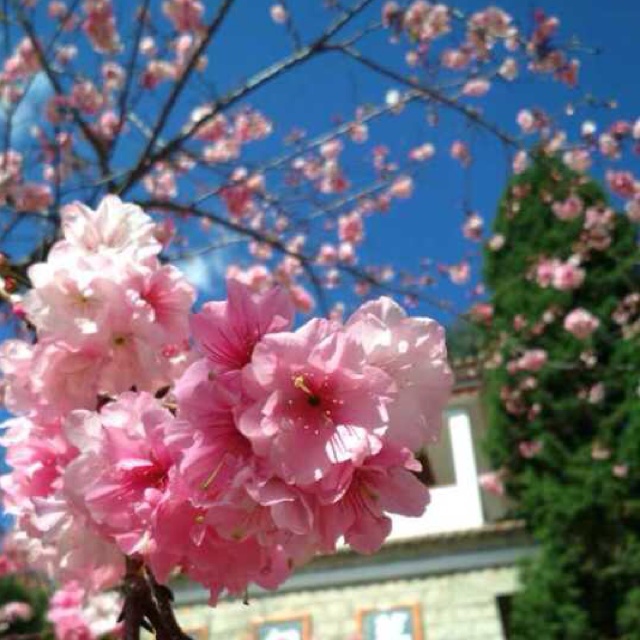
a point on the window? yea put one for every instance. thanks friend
(394, 623)
(449, 468)
(283, 628)
(437, 461)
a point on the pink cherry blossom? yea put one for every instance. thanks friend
(578, 160)
(530, 449)
(77, 615)
(493, 482)
(567, 276)
(532, 360)
(482, 312)
(568, 209)
(186, 15)
(278, 13)
(520, 162)
(496, 242)
(424, 152)
(13, 611)
(509, 69)
(473, 226)
(402, 187)
(622, 183)
(632, 209)
(596, 393)
(412, 351)
(212, 446)
(227, 332)
(114, 230)
(544, 272)
(460, 273)
(124, 459)
(476, 87)
(32, 197)
(313, 389)
(620, 470)
(460, 152)
(526, 121)
(100, 26)
(351, 227)
(38, 453)
(454, 59)
(581, 323)
(383, 484)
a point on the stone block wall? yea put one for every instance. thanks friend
(455, 606)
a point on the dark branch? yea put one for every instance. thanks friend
(149, 160)
(428, 92)
(306, 262)
(131, 65)
(181, 83)
(147, 605)
(94, 141)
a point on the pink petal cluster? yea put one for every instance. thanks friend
(231, 500)
(564, 276)
(109, 318)
(530, 360)
(232, 468)
(530, 448)
(568, 209)
(221, 491)
(581, 323)
(100, 26)
(473, 227)
(26, 196)
(186, 15)
(109, 315)
(492, 482)
(78, 615)
(14, 611)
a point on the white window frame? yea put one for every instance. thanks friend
(453, 507)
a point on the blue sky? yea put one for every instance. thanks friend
(330, 86)
(427, 225)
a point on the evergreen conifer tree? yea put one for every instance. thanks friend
(568, 435)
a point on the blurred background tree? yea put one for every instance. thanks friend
(563, 410)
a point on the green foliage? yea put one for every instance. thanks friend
(21, 589)
(586, 519)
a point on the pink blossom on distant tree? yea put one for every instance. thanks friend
(581, 323)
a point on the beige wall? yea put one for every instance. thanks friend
(459, 606)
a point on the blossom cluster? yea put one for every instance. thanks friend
(14, 611)
(109, 317)
(232, 462)
(77, 614)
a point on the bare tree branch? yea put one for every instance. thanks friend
(180, 84)
(88, 133)
(428, 92)
(130, 69)
(306, 262)
(316, 142)
(148, 160)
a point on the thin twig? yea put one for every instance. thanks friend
(129, 72)
(428, 92)
(148, 160)
(88, 133)
(181, 82)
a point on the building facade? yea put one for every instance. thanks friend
(446, 576)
